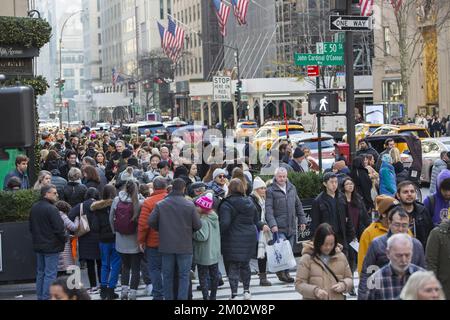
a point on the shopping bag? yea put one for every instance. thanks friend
(279, 255)
(83, 228)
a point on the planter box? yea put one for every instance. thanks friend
(17, 258)
(305, 235)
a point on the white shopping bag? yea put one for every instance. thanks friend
(280, 256)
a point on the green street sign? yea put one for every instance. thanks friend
(318, 59)
(333, 48)
(339, 37)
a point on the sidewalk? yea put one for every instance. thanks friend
(21, 291)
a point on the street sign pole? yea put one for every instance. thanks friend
(319, 129)
(350, 87)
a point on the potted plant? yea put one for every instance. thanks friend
(17, 258)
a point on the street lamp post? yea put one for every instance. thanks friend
(60, 82)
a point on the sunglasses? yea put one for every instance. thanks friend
(222, 176)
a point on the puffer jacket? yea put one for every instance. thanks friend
(438, 166)
(312, 274)
(437, 255)
(282, 209)
(147, 235)
(101, 209)
(238, 219)
(207, 240)
(74, 193)
(388, 185)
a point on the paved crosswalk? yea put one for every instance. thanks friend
(278, 291)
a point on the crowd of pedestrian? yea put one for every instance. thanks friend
(138, 209)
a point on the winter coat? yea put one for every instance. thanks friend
(258, 208)
(66, 257)
(59, 182)
(374, 230)
(363, 184)
(363, 221)
(176, 219)
(238, 219)
(312, 274)
(207, 240)
(52, 165)
(423, 223)
(64, 169)
(322, 212)
(388, 185)
(369, 150)
(46, 227)
(88, 244)
(438, 255)
(102, 209)
(74, 193)
(125, 243)
(295, 166)
(147, 235)
(282, 209)
(376, 256)
(24, 181)
(439, 202)
(438, 166)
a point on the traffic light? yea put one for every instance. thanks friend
(237, 93)
(147, 86)
(59, 83)
(131, 86)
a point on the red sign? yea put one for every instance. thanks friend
(313, 71)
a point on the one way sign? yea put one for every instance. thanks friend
(350, 23)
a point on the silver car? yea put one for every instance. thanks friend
(431, 151)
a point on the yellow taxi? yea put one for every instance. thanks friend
(270, 131)
(363, 130)
(418, 131)
(246, 129)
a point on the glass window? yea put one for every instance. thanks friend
(392, 90)
(161, 9)
(387, 39)
(69, 72)
(169, 7)
(81, 72)
(200, 65)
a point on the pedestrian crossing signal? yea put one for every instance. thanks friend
(323, 103)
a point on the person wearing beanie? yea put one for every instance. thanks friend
(207, 249)
(258, 196)
(297, 160)
(219, 185)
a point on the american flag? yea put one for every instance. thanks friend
(222, 12)
(240, 8)
(166, 39)
(116, 77)
(366, 7)
(178, 37)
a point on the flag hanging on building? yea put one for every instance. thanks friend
(222, 12)
(178, 34)
(166, 40)
(240, 8)
(366, 7)
(116, 77)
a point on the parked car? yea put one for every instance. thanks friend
(271, 131)
(138, 129)
(171, 126)
(418, 131)
(246, 129)
(431, 151)
(363, 130)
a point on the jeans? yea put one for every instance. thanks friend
(144, 270)
(209, 280)
(154, 265)
(47, 272)
(131, 263)
(184, 263)
(91, 271)
(111, 264)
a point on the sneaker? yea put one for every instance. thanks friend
(149, 290)
(247, 295)
(93, 290)
(132, 295)
(124, 293)
(233, 297)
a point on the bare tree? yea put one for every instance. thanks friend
(412, 19)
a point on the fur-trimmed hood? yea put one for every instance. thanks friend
(102, 204)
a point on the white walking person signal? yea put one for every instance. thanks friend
(323, 103)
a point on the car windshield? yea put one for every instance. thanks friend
(174, 127)
(314, 145)
(282, 132)
(417, 133)
(248, 125)
(372, 129)
(153, 129)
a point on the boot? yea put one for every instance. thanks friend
(288, 277)
(132, 294)
(124, 293)
(111, 295)
(103, 292)
(281, 276)
(263, 282)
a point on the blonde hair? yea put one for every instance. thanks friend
(416, 281)
(44, 154)
(41, 176)
(395, 155)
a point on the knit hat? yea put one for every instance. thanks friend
(128, 174)
(298, 153)
(156, 151)
(258, 183)
(126, 153)
(156, 139)
(383, 203)
(205, 201)
(218, 172)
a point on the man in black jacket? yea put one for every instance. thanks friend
(327, 208)
(366, 148)
(421, 222)
(48, 234)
